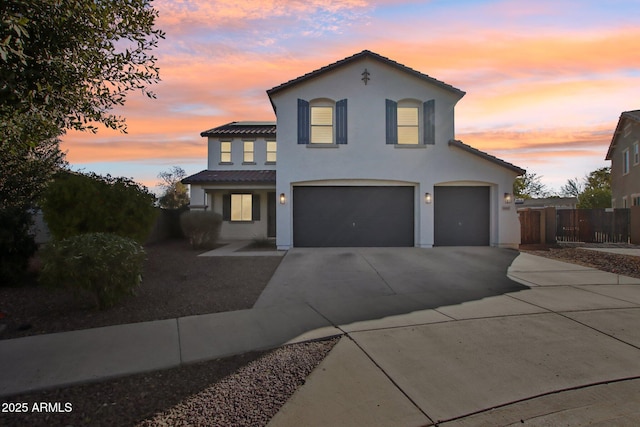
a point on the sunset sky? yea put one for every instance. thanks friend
(546, 80)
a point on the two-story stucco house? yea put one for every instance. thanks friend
(624, 153)
(364, 155)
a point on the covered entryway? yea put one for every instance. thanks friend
(461, 216)
(329, 216)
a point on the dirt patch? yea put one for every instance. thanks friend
(176, 283)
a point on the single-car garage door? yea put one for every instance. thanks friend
(352, 216)
(461, 216)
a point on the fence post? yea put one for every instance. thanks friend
(550, 224)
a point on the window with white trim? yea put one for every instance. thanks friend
(625, 162)
(636, 153)
(241, 207)
(272, 149)
(625, 202)
(247, 152)
(225, 152)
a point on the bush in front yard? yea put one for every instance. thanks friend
(107, 265)
(202, 228)
(76, 203)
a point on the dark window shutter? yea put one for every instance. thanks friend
(392, 121)
(226, 207)
(303, 122)
(255, 207)
(429, 111)
(341, 122)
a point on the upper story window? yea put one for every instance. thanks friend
(272, 148)
(410, 122)
(321, 125)
(247, 156)
(225, 152)
(636, 153)
(322, 121)
(408, 125)
(625, 162)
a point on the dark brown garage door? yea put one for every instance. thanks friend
(352, 216)
(461, 216)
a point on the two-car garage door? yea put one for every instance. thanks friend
(352, 216)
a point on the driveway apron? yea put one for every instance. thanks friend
(353, 284)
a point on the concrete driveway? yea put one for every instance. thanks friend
(348, 285)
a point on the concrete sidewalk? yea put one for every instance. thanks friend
(566, 351)
(543, 353)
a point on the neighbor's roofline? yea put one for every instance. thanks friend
(631, 115)
(246, 128)
(357, 56)
(486, 156)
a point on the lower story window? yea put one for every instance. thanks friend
(241, 207)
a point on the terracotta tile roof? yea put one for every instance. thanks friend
(357, 56)
(232, 177)
(486, 156)
(631, 115)
(233, 129)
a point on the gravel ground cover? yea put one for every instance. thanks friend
(244, 390)
(626, 265)
(176, 282)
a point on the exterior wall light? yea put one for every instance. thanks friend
(283, 199)
(507, 198)
(427, 198)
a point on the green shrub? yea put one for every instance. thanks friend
(202, 228)
(76, 203)
(107, 265)
(16, 245)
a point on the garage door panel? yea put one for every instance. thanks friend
(353, 216)
(461, 216)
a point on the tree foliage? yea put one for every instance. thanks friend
(529, 186)
(175, 192)
(76, 203)
(572, 188)
(24, 171)
(597, 189)
(65, 64)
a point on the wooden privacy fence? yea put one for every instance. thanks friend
(593, 225)
(530, 226)
(579, 225)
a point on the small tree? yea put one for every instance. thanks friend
(528, 186)
(572, 188)
(175, 192)
(76, 203)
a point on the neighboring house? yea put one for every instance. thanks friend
(624, 153)
(365, 156)
(556, 202)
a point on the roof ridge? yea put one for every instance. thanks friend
(358, 55)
